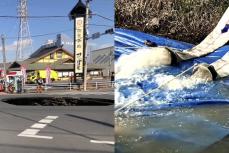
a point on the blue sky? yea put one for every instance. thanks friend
(10, 26)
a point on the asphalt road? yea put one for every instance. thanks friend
(70, 129)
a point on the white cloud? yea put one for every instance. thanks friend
(13, 46)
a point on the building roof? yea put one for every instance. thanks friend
(78, 10)
(111, 47)
(7, 65)
(44, 51)
(103, 56)
(18, 64)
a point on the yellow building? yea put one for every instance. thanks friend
(57, 58)
(49, 55)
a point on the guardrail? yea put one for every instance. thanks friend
(70, 86)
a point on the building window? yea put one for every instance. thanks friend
(59, 55)
(52, 56)
(94, 73)
(60, 74)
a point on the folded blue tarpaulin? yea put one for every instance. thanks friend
(127, 41)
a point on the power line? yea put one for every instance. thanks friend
(41, 35)
(106, 18)
(100, 25)
(17, 17)
(51, 16)
(53, 33)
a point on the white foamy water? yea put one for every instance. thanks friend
(127, 65)
(170, 82)
(140, 66)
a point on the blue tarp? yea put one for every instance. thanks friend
(128, 41)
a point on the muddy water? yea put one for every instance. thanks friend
(180, 130)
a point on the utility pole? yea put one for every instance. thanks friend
(85, 63)
(110, 58)
(4, 57)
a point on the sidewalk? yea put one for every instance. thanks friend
(63, 93)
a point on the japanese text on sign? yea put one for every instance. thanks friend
(79, 44)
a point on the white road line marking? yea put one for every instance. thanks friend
(38, 126)
(52, 117)
(29, 132)
(102, 142)
(35, 136)
(45, 121)
(32, 133)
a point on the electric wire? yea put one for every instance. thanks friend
(50, 16)
(53, 33)
(41, 35)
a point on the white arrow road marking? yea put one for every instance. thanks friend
(102, 142)
(36, 136)
(45, 121)
(38, 126)
(32, 133)
(52, 117)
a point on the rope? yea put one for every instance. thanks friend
(146, 94)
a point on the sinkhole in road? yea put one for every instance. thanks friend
(58, 101)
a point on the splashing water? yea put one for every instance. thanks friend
(180, 90)
(177, 83)
(140, 74)
(127, 65)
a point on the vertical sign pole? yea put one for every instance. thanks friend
(79, 47)
(78, 14)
